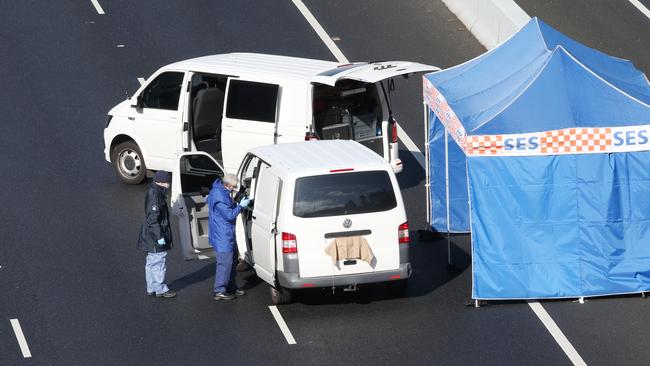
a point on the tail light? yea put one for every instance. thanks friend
(311, 136)
(289, 243)
(393, 130)
(403, 233)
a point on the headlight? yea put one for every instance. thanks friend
(108, 120)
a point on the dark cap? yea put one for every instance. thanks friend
(162, 176)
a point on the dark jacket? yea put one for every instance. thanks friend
(156, 224)
(223, 213)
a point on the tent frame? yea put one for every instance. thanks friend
(427, 185)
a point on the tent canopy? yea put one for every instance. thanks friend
(511, 89)
(526, 134)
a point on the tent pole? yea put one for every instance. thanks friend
(427, 184)
(447, 196)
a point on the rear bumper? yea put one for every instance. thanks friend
(294, 281)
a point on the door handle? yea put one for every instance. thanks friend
(132, 118)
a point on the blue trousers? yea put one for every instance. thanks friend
(224, 279)
(154, 271)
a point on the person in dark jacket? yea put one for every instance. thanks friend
(156, 235)
(222, 215)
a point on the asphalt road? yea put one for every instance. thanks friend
(69, 270)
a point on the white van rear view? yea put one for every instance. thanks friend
(325, 214)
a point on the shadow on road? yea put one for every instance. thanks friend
(207, 272)
(429, 261)
(416, 175)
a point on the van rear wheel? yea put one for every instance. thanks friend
(280, 295)
(128, 163)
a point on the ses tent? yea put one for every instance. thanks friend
(539, 147)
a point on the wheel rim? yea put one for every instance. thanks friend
(130, 163)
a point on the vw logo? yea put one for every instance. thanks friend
(347, 223)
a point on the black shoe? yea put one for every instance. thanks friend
(167, 295)
(151, 294)
(223, 296)
(239, 292)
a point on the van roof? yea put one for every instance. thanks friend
(295, 68)
(254, 63)
(319, 155)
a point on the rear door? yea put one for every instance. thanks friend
(263, 230)
(249, 118)
(347, 204)
(192, 178)
(372, 72)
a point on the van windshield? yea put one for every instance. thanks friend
(343, 194)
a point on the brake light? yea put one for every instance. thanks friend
(289, 243)
(311, 136)
(341, 170)
(403, 233)
(393, 130)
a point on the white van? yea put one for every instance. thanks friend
(305, 196)
(225, 104)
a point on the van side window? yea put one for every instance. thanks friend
(252, 101)
(198, 172)
(249, 175)
(164, 91)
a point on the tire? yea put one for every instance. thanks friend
(280, 295)
(128, 163)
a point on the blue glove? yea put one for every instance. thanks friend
(161, 241)
(244, 202)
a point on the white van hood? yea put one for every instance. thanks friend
(121, 109)
(371, 72)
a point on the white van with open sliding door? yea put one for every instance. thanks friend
(226, 104)
(325, 214)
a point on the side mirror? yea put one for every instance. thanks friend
(138, 102)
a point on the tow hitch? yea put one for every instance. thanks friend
(350, 288)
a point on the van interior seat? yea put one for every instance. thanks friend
(206, 127)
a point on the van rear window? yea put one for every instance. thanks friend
(343, 194)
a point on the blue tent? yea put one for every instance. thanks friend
(541, 148)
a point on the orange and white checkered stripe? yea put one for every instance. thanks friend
(588, 140)
(438, 104)
(485, 145)
(576, 140)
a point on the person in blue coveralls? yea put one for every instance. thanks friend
(156, 235)
(222, 215)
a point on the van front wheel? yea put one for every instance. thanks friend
(280, 295)
(128, 163)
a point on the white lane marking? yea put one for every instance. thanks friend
(410, 145)
(141, 81)
(97, 6)
(406, 140)
(21, 338)
(555, 331)
(283, 326)
(320, 31)
(641, 8)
